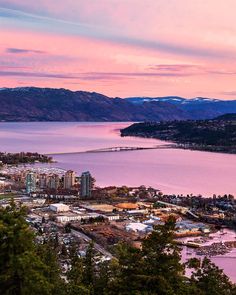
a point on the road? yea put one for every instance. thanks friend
(98, 247)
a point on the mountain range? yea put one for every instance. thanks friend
(49, 104)
(195, 108)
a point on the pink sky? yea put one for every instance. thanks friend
(121, 47)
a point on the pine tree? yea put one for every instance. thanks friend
(209, 279)
(75, 276)
(22, 271)
(162, 261)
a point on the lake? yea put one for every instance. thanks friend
(170, 170)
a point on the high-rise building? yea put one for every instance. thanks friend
(53, 181)
(42, 181)
(86, 184)
(31, 182)
(69, 179)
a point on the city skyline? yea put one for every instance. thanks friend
(120, 48)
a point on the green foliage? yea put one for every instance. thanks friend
(19, 158)
(22, 269)
(76, 277)
(213, 135)
(154, 269)
(209, 279)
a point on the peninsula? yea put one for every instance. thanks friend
(23, 158)
(216, 135)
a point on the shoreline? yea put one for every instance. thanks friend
(183, 146)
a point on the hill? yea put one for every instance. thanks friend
(227, 117)
(46, 104)
(218, 135)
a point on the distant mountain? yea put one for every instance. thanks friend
(47, 104)
(197, 108)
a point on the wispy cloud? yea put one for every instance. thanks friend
(190, 69)
(222, 72)
(7, 67)
(22, 51)
(175, 67)
(89, 76)
(36, 22)
(36, 74)
(230, 93)
(129, 50)
(109, 76)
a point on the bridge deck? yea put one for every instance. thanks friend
(130, 148)
(121, 149)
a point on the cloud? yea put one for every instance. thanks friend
(189, 69)
(19, 19)
(230, 93)
(175, 67)
(222, 72)
(36, 74)
(90, 76)
(7, 67)
(21, 51)
(160, 71)
(132, 74)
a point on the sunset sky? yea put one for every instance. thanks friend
(120, 47)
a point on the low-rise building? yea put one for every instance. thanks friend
(59, 207)
(111, 217)
(68, 217)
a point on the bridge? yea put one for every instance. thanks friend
(130, 148)
(120, 149)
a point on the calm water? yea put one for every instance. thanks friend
(225, 262)
(171, 170)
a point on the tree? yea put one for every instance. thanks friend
(75, 277)
(154, 269)
(81, 276)
(209, 279)
(102, 278)
(22, 271)
(162, 261)
(126, 271)
(48, 255)
(89, 268)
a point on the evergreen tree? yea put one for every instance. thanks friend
(22, 271)
(154, 269)
(162, 261)
(75, 277)
(89, 268)
(102, 278)
(126, 271)
(48, 256)
(209, 279)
